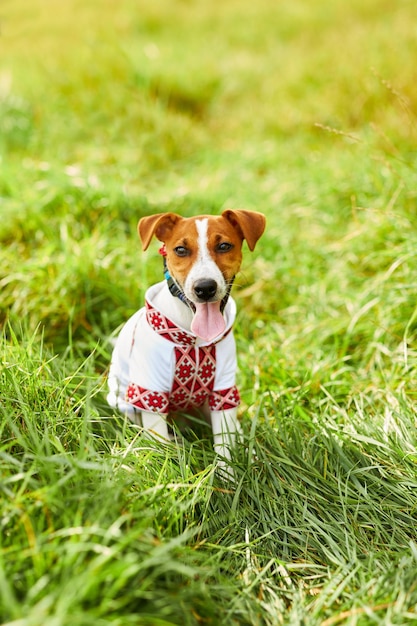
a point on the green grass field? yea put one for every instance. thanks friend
(305, 111)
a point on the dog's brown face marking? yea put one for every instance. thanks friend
(202, 248)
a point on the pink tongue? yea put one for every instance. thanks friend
(208, 322)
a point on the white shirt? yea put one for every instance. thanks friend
(161, 367)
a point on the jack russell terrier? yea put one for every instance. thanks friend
(177, 353)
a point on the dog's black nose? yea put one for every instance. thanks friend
(205, 289)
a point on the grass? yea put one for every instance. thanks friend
(304, 111)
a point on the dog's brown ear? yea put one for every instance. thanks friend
(251, 224)
(159, 225)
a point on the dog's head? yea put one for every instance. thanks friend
(203, 255)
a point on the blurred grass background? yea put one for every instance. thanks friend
(304, 111)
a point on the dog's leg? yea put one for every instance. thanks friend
(155, 424)
(226, 429)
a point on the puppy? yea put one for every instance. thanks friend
(177, 353)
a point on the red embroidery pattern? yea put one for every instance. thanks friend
(167, 329)
(224, 399)
(194, 377)
(155, 401)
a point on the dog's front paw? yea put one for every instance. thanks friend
(154, 425)
(225, 472)
(224, 468)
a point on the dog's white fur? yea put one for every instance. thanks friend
(204, 267)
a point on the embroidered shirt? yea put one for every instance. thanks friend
(160, 367)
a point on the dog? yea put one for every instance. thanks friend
(177, 354)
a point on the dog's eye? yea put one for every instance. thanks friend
(224, 247)
(181, 251)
